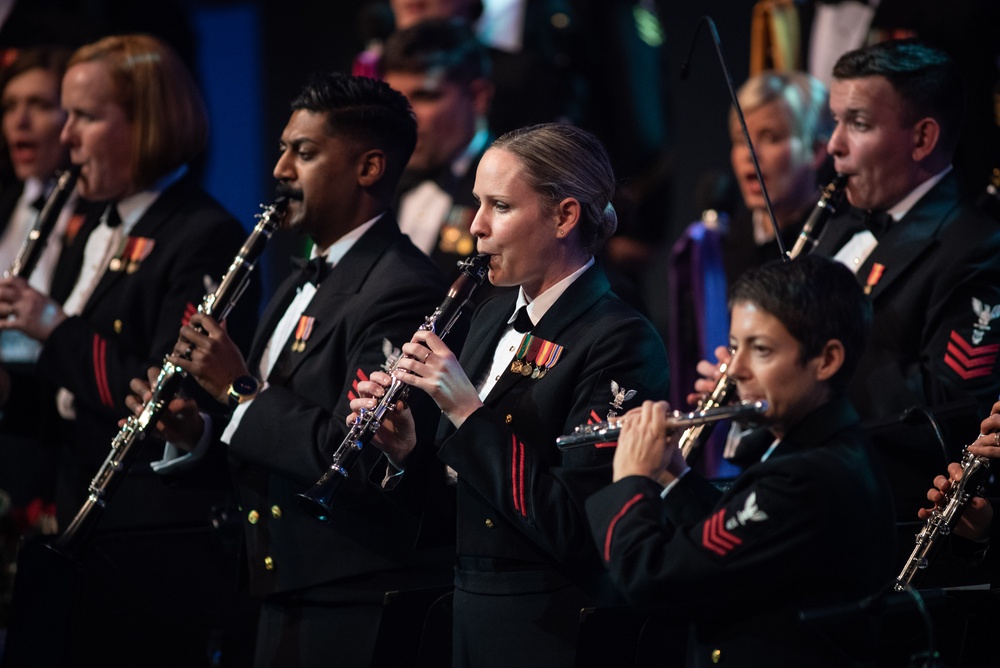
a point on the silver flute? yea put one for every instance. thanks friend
(318, 500)
(218, 305)
(31, 249)
(827, 205)
(607, 432)
(945, 516)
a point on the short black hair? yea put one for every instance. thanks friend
(364, 110)
(816, 299)
(927, 79)
(448, 44)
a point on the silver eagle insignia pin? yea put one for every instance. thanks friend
(392, 355)
(620, 396)
(985, 314)
(750, 513)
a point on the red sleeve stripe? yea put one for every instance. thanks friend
(614, 520)
(594, 417)
(101, 371)
(361, 375)
(524, 507)
(351, 396)
(714, 537)
(517, 475)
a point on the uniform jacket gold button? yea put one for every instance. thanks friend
(118, 326)
(509, 418)
(489, 523)
(269, 563)
(716, 655)
(276, 512)
(253, 516)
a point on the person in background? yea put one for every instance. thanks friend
(788, 121)
(443, 70)
(32, 120)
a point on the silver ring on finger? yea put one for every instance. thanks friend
(996, 438)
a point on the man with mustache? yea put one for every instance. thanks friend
(362, 296)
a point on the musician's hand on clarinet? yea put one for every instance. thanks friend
(977, 514)
(645, 448)
(435, 370)
(28, 310)
(988, 443)
(397, 436)
(210, 356)
(710, 374)
(180, 421)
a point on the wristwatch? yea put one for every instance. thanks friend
(243, 389)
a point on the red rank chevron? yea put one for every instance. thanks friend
(351, 396)
(189, 311)
(970, 361)
(714, 537)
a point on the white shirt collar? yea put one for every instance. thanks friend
(339, 248)
(904, 205)
(133, 207)
(538, 306)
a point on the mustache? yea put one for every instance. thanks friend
(288, 192)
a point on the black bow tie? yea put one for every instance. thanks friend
(876, 222)
(522, 323)
(311, 271)
(39, 202)
(112, 220)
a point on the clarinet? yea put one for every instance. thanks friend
(944, 517)
(607, 432)
(825, 207)
(318, 500)
(168, 383)
(31, 250)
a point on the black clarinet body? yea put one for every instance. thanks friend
(34, 244)
(218, 305)
(318, 500)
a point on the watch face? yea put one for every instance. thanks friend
(245, 385)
